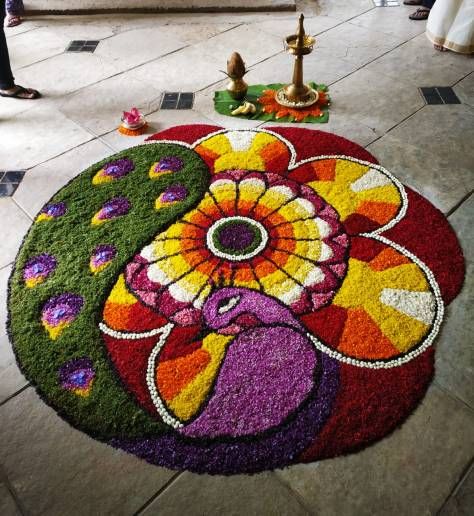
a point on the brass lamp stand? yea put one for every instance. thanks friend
(298, 95)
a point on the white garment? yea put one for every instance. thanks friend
(451, 25)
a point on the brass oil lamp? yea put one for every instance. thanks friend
(297, 94)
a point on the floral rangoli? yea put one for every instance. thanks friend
(231, 301)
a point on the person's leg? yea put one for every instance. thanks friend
(423, 12)
(15, 9)
(6, 76)
(8, 88)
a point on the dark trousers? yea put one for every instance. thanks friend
(6, 76)
(428, 3)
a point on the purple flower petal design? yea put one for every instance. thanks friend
(172, 195)
(166, 165)
(77, 375)
(59, 312)
(38, 268)
(101, 257)
(112, 209)
(52, 211)
(114, 170)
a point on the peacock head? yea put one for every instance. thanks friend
(230, 311)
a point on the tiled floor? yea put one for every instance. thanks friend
(374, 61)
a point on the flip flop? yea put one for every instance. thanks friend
(420, 14)
(13, 21)
(21, 90)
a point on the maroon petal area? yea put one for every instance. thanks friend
(310, 142)
(185, 133)
(370, 404)
(426, 232)
(356, 224)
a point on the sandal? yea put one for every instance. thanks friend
(440, 48)
(413, 2)
(13, 20)
(420, 14)
(22, 93)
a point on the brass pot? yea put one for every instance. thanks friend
(237, 88)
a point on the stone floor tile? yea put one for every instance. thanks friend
(15, 223)
(37, 135)
(157, 121)
(318, 67)
(65, 73)
(256, 495)
(106, 101)
(35, 45)
(433, 157)
(355, 44)
(192, 32)
(8, 506)
(9, 108)
(173, 72)
(464, 89)
(410, 472)
(340, 124)
(27, 25)
(393, 21)
(252, 44)
(312, 25)
(419, 63)
(455, 353)
(93, 28)
(43, 181)
(375, 99)
(11, 379)
(342, 9)
(56, 470)
(462, 500)
(135, 47)
(4, 275)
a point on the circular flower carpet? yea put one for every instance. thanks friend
(229, 301)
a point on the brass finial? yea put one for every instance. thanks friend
(300, 33)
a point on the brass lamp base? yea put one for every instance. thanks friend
(297, 98)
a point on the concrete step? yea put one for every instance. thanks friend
(145, 6)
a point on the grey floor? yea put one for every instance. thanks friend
(374, 60)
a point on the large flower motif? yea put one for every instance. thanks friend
(276, 279)
(252, 229)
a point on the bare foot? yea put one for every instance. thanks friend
(19, 92)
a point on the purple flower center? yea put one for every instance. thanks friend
(62, 308)
(175, 193)
(119, 168)
(54, 210)
(115, 208)
(237, 236)
(39, 266)
(103, 253)
(76, 374)
(172, 163)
